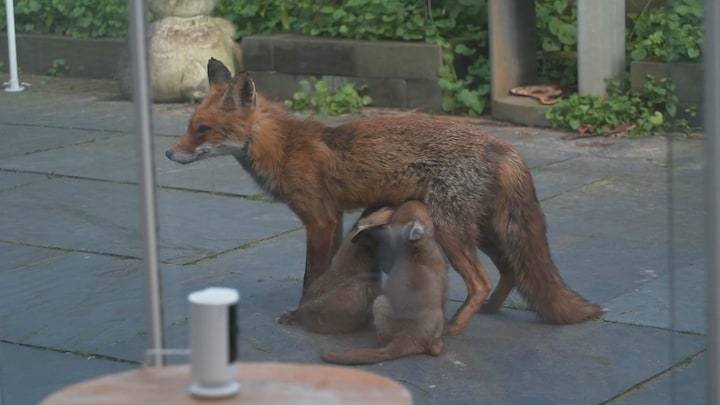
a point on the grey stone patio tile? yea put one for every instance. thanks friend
(71, 111)
(114, 159)
(561, 178)
(10, 180)
(103, 217)
(171, 119)
(30, 374)
(89, 303)
(620, 206)
(683, 385)
(19, 256)
(674, 301)
(601, 269)
(30, 140)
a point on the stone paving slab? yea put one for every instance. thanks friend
(68, 111)
(682, 385)
(676, 301)
(87, 111)
(37, 373)
(9, 180)
(113, 159)
(103, 217)
(88, 303)
(28, 139)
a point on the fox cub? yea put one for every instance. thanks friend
(409, 315)
(340, 300)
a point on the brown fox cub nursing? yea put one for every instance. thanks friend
(409, 315)
(479, 192)
(340, 300)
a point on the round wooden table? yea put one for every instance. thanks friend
(260, 383)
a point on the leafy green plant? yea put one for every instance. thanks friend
(556, 25)
(73, 18)
(58, 67)
(470, 93)
(670, 34)
(647, 112)
(320, 98)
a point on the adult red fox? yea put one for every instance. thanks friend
(477, 187)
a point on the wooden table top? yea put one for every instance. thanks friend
(260, 383)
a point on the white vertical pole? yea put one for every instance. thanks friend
(14, 83)
(711, 56)
(142, 99)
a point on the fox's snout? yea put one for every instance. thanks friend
(183, 158)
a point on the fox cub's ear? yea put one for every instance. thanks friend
(219, 75)
(373, 220)
(416, 232)
(241, 93)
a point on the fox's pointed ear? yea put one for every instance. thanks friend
(373, 220)
(241, 93)
(416, 232)
(219, 75)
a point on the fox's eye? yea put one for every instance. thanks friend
(202, 129)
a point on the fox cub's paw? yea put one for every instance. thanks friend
(288, 318)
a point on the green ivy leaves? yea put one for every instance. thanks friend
(72, 18)
(671, 34)
(650, 111)
(319, 98)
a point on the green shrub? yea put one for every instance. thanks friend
(556, 25)
(648, 112)
(321, 99)
(670, 34)
(72, 18)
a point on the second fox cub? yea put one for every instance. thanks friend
(477, 188)
(340, 300)
(409, 315)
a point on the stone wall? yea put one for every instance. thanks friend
(398, 74)
(93, 58)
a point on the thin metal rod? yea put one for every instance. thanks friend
(712, 191)
(142, 98)
(14, 83)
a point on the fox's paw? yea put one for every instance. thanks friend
(288, 318)
(489, 307)
(452, 329)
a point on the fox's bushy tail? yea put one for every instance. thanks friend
(526, 253)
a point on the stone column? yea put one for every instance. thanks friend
(601, 44)
(513, 44)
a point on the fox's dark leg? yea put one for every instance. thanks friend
(321, 244)
(499, 294)
(504, 286)
(460, 251)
